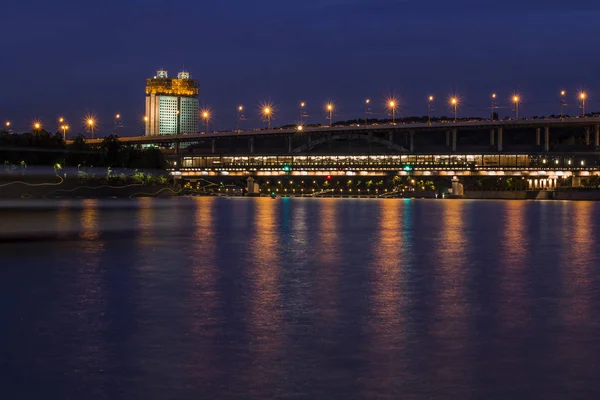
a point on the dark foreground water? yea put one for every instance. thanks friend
(219, 298)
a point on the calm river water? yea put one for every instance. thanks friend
(302, 299)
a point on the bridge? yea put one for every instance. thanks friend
(535, 149)
(378, 131)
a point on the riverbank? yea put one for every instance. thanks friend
(72, 189)
(574, 194)
(558, 194)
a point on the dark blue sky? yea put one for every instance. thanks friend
(73, 57)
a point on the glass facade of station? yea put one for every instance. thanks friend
(491, 161)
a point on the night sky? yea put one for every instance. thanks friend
(68, 58)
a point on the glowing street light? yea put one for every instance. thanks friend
(563, 104)
(7, 124)
(392, 104)
(37, 126)
(239, 117)
(302, 105)
(267, 112)
(117, 118)
(367, 110)
(329, 108)
(582, 98)
(91, 124)
(299, 128)
(454, 104)
(64, 128)
(516, 100)
(429, 107)
(493, 105)
(206, 117)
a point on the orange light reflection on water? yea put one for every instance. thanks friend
(578, 268)
(327, 285)
(514, 308)
(388, 299)
(451, 310)
(89, 298)
(266, 319)
(203, 293)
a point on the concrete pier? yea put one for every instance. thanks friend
(500, 132)
(587, 135)
(454, 132)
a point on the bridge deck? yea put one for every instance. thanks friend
(399, 127)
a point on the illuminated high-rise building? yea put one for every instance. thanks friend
(171, 104)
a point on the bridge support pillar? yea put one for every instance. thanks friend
(500, 132)
(587, 135)
(213, 145)
(454, 132)
(538, 136)
(289, 143)
(597, 136)
(251, 145)
(547, 139)
(492, 137)
(457, 187)
(412, 141)
(391, 138)
(447, 138)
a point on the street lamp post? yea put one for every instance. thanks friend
(493, 105)
(302, 105)
(91, 124)
(392, 104)
(454, 104)
(239, 117)
(60, 122)
(582, 97)
(117, 118)
(329, 108)
(367, 102)
(64, 129)
(267, 111)
(562, 103)
(206, 116)
(429, 106)
(516, 99)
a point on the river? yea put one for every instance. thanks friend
(237, 298)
